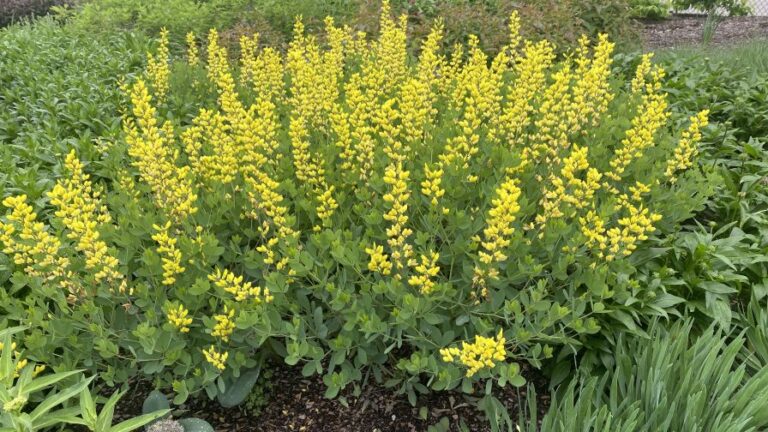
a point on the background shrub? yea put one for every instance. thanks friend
(16, 10)
(561, 22)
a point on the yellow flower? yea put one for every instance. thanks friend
(426, 271)
(216, 358)
(310, 171)
(178, 316)
(225, 324)
(497, 234)
(171, 256)
(238, 288)
(652, 115)
(686, 149)
(158, 70)
(591, 93)
(552, 128)
(484, 353)
(379, 261)
(193, 58)
(431, 186)
(38, 370)
(154, 155)
(530, 71)
(397, 197)
(31, 246)
(82, 212)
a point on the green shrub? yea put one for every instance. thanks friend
(650, 9)
(58, 91)
(718, 256)
(730, 7)
(354, 212)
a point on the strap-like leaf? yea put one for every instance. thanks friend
(138, 422)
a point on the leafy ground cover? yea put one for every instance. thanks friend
(183, 216)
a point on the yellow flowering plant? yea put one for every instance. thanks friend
(435, 220)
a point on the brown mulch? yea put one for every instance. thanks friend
(296, 403)
(682, 30)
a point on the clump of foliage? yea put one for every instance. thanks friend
(33, 400)
(652, 386)
(651, 9)
(433, 222)
(712, 7)
(58, 91)
(561, 22)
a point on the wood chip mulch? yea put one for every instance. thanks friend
(684, 30)
(296, 403)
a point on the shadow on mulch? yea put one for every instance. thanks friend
(687, 30)
(296, 403)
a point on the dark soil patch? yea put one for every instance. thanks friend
(296, 403)
(683, 30)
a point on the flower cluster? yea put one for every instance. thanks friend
(225, 325)
(216, 358)
(426, 272)
(171, 255)
(686, 149)
(484, 353)
(81, 211)
(178, 317)
(238, 288)
(158, 69)
(29, 243)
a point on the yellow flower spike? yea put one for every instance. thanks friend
(686, 149)
(426, 271)
(82, 212)
(30, 244)
(391, 48)
(591, 92)
(158, 70)
(379, 261)
(397, 198)
(178, 316)
(551, 136)
(484, 353)
(215, 358)
(193, 56)
(652, 115)
(498, 233)
(641, 73)
(431, 186)
(170, 255)
(152, 150)
(225, 324)
(238, 288)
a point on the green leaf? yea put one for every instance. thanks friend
(62, 416)
(156, 401)
(48, 380)
(239, 389)
(139, 421)
(58, 398)
(196, 425)
(107, 411)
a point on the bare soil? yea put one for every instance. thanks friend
(296, 403)
(686, 30)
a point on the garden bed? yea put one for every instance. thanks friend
(297, 403)
(684, 30)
